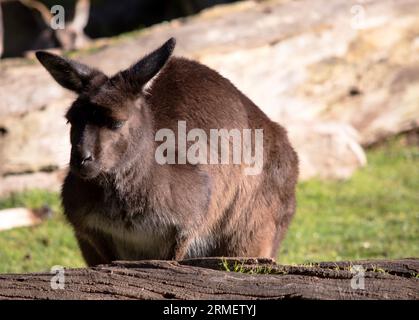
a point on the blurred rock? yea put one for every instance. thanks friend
(35, 141)
(368, 77)
(50, 181)
(335, 74)
(27, 29)
(327, 150)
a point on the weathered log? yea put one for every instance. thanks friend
(208, 279)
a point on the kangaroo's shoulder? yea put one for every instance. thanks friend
(192, 76)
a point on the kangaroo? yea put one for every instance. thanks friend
(124, 205)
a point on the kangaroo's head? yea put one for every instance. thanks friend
(107, 117)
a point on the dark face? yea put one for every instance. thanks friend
(106, 118)
(100, 136)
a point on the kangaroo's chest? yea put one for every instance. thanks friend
(145, 234)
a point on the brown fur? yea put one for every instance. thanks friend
(123, 205)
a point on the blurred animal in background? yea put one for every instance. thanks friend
(27, 25)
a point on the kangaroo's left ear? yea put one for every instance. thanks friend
(145, 69)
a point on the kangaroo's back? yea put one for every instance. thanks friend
(259, 207)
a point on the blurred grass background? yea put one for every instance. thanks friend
(375, 214)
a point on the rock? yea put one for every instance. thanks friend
(326, 150)
(50, 181)
(367, 78)
(337, 75)
(35, 141)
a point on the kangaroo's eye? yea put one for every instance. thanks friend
(115, 125)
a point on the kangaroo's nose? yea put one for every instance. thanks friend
(86, 157)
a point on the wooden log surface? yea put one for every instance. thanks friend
(247, 278)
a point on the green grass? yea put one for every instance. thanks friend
(375, 214)
(240, 267)
(40, 247)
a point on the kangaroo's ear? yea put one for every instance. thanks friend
(70, 74)
(144, 70)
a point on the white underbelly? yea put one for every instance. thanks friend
(139, 245)
(139, 242)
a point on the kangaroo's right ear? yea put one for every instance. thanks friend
(144, 70)
(70, 74)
